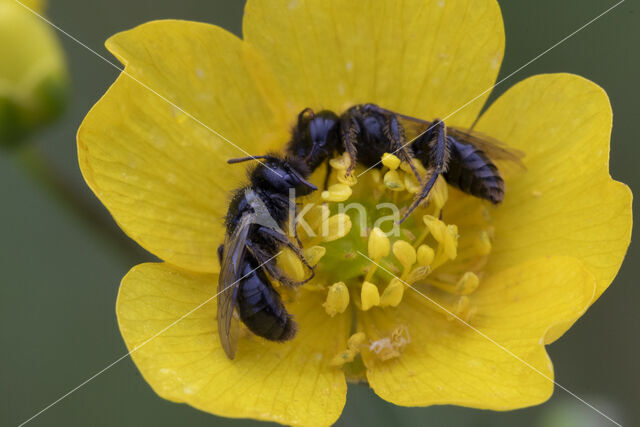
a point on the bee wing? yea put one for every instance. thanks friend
(495, 149)
(230, 275)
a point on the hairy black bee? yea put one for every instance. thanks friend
(255, 220)
(367, 131)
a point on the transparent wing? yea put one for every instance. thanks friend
(495, 149)
(230, 274)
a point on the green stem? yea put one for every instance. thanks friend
(45, 174)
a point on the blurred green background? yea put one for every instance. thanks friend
(59, 279)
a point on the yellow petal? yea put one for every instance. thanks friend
(446, 362)
(162, 174)
(424, 58)
(565, 203)
(290, 383)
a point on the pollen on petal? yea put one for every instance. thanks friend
(369, 295)
(390, 347)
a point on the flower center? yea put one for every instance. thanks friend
(364, 258)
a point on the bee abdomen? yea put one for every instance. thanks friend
(261, 309)
(471, 170)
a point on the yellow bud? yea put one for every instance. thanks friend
(337, 299)
(393, 181)
(314, 254)
(425, 255)
(404, 252)
(391, 161)
(289, 262)
(468, 283)
(378, 245)
(337, 226)
(369, 296)
(392, 294)
(337, 193)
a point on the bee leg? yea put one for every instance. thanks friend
(326, 177)
(394, 132)
(349, 131)
(438, 157)
(220, 253)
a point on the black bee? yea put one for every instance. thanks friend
(367, 131)
(257, 215)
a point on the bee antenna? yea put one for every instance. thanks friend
(248, 158)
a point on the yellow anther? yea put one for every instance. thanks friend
(392, 294)
(337, 299)
(446, 236)
(375, 175)
(482, 243)
(353, 348)
(316, 216)
(314, 254)
(393, 181)
(439, 194)
(349, 180)
(340, 163)
(391, 161)
(418, 273)
(411, 183)
(468, 283)
(335, 227)
(291, 265)
(416, 164)
(461, 310)
(337, 193)
(369, 296)
(378, 245)
(425, 255)
(405, 253)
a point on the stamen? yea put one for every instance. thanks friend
(314, 254)
(393, 181)
(353, 349)
(337, 193)
(336, 227)
(425, 255)
(465, 285)
(392, 295)
(337, 299)
(378, 247)
(369, 296)
(406, 254)
(391, 161)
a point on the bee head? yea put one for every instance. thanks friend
(315, 136)
(279, 175)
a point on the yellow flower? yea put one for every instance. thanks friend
(520, 273)
(33, 75)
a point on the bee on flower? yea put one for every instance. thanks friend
(405, 308)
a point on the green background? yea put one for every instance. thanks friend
(59, 279)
